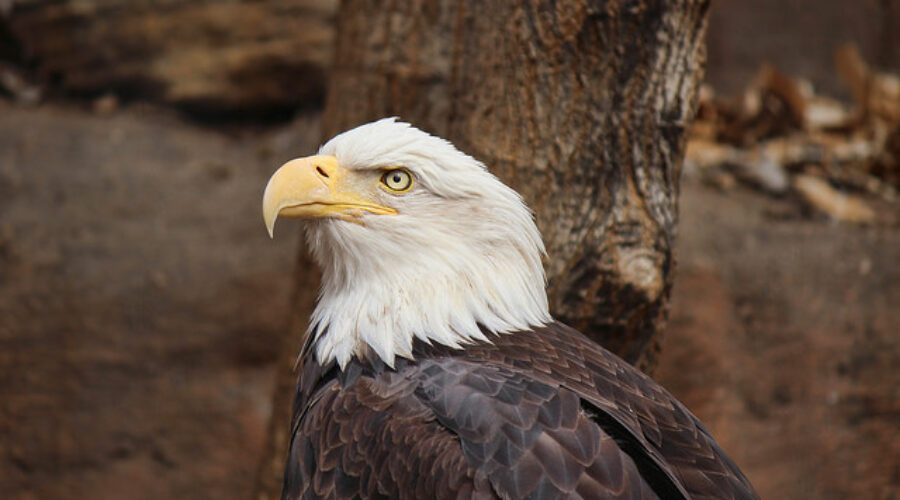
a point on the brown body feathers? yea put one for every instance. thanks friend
(539, 414)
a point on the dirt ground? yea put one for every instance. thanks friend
(142, 309)
(783, 338)
(142, 304)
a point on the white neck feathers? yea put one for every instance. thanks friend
(374, 303)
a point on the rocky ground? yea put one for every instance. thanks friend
(142, 309)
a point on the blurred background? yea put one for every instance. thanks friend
(143, 310)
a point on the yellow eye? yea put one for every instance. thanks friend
(398, 180)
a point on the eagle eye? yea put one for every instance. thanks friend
(398, 180)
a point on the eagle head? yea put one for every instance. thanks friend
(415, 240)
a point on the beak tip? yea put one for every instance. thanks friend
(270, 225)
(270, 211)
(269, 218)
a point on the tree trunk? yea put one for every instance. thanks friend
(580, 106)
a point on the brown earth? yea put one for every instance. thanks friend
(141, 304)
(783, 338)
(142, 309)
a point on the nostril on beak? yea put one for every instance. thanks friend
(321, 171)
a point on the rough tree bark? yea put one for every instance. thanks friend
(580, 106)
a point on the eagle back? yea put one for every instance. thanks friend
(543, 413)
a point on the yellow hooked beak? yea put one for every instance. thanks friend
(314, 187)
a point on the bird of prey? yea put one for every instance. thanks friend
(432, 367)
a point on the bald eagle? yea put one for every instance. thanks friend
(433, 368)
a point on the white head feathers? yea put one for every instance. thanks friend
(462, 252)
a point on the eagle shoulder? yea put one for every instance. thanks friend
(373, 439)
(450, 428)
(653, 426)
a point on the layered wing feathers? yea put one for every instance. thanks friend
(535, 414)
